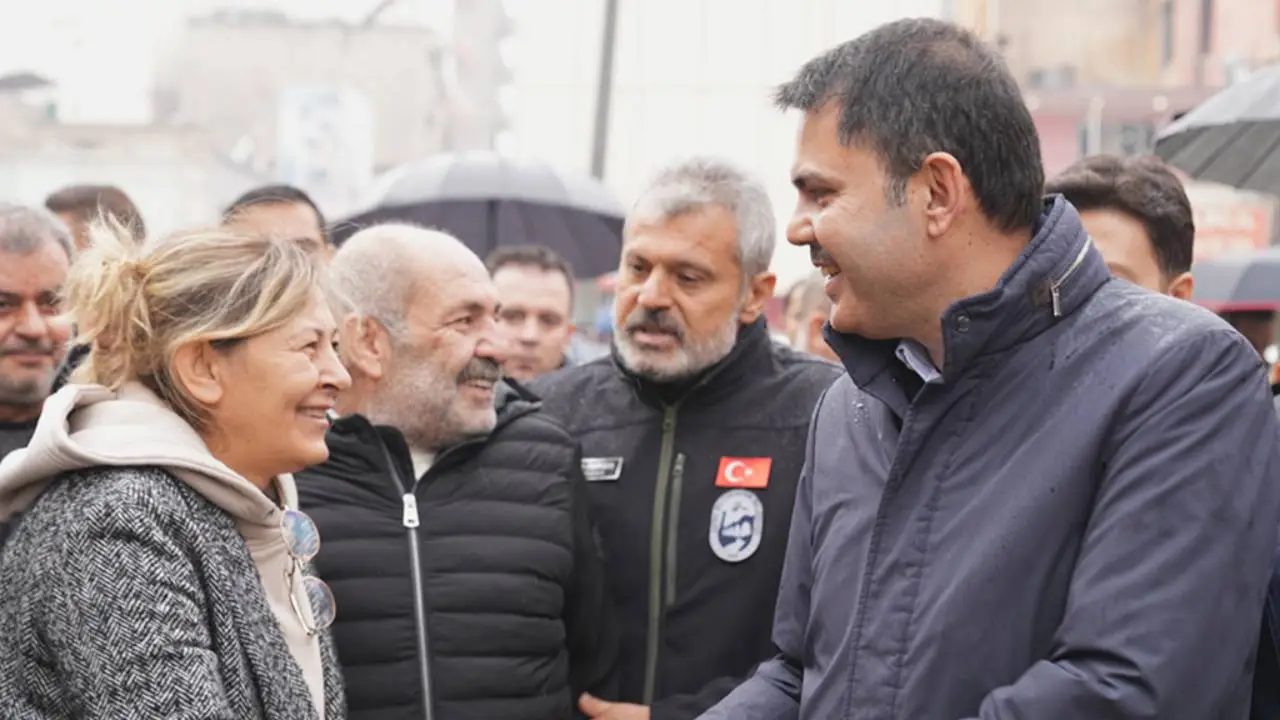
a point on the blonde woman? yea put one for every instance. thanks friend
(158, 568)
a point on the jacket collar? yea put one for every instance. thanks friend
(1055, 274)
(750, 353)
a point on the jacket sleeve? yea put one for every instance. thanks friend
(687, 707)
(126, 622)
(590, 624)
(773, 691)
(1163, 612)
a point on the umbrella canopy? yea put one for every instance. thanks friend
(1239, 282)
(1233, 137)
(489, 201)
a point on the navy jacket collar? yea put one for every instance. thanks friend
(1057, 272)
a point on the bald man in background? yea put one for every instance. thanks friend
(807, 311)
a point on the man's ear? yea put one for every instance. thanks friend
(946, 183)
(568, 338)
(1182, 286)
(365, 346)
(758, 293)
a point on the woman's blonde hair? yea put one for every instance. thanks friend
(136, 304)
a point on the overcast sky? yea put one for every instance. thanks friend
(100, 51)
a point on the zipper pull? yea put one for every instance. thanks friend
(410, 511)
(1055, 287)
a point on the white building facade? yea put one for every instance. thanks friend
(691, 77)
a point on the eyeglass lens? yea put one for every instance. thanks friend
(300, 535)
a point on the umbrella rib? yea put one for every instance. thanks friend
(1262, 160)
(1237, 130)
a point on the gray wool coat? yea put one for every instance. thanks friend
(125, 594)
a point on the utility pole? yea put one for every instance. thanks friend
(604, 91)
(371, 17)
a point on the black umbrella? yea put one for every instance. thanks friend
(489, 201)
(1239, 282)
(1233, 137)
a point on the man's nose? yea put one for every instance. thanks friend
(800, 228)
(492, 346)
(653, 293)
(32, 323)
(528, 330)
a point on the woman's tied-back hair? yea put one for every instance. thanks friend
(136, 305)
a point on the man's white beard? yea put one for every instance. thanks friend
(688, 359)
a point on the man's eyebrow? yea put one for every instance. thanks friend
(805, 178)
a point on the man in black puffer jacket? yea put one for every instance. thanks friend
(694, 435)
(457, 535)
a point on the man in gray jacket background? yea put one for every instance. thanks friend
(1039, 492)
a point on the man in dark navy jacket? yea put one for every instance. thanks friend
(1040, 492)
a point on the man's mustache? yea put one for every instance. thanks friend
(482, 369)
(37, 348)
(654, 321)
(818, 256)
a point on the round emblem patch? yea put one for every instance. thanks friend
(737, 524)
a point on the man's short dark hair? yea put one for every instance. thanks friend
(85, 203)
(1143, 188)
(275, 195)
(919, 86)
(532, 256)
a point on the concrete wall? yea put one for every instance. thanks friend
(174, 176)
(226, 75)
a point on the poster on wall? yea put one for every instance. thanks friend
(1229, 220)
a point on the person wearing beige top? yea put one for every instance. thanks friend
(159, 566)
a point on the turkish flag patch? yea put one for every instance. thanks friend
(751, 473)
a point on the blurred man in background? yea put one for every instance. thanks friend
(36, 250)
(278, 210)
(1139, 217)
(535, 286)
(791, 311)
(79, 205)
(812, 307)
